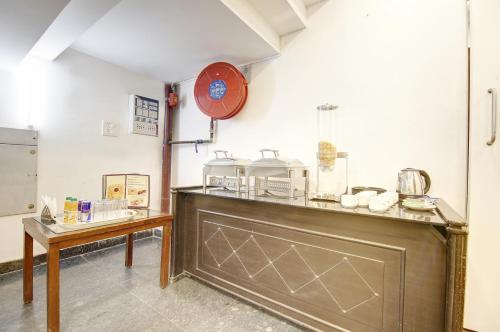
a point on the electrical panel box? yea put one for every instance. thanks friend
(144, 114)
(18, 171)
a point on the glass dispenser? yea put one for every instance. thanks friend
(327, 151)
(329, 182)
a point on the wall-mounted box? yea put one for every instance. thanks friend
(18, 171)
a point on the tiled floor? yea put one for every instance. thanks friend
(99, 294)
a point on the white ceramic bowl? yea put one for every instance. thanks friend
(364, 197)
(349, 201)
(378, 204)
(391, 196)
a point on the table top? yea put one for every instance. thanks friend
(442, 216)
(56, 233)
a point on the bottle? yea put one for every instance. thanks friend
(67, 209)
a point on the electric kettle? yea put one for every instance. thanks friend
(413, 183)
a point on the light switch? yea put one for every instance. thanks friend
(110, 129)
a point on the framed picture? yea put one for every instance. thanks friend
(133, 187)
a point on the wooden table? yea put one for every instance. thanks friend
(54, 242)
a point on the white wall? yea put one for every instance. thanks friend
(10, 115)
(66, 101)
(397, 69)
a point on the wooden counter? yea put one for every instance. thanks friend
(322, 266)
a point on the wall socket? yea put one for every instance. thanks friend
(110, 129)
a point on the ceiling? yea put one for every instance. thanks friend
(312, 2)
(22, 23)
(172, 40)
(284, 16)
(71, 23)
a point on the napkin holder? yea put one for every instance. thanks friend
(46, 216)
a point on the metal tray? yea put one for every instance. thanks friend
(127, 215)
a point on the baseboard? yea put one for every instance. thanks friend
(158, 232)
(16, 265)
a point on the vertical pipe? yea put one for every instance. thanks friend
(166, 176)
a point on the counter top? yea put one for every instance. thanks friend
(442, 216)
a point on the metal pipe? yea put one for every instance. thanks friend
(167, 153)
(197, 142)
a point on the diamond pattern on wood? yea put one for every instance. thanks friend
(345, 286)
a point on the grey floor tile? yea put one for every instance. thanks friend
(241, 317)
(111, 263)
(113, 310)
(147, 254)
(187, 303)
(28, 321)
(99, 294)
(146, 260)
(79, 279)
(12, 307)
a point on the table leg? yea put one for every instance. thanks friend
(129, 253)
(53, 289)
(165, 253)
(28, 268)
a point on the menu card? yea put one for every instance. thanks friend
(133, 187)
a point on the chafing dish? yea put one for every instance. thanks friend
(273, 175)
(225, 171)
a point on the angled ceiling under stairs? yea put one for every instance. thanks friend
(170, 40)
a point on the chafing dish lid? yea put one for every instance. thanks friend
(274, 161)
(222, 158)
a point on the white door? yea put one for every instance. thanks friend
(482, 305)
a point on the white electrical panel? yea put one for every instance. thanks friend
(143, 115)
(18, 171)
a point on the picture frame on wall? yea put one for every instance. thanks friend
(133, 187)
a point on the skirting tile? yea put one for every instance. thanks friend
(75, 251)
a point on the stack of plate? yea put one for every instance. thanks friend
(419, 204)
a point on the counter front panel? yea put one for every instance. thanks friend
(334, 279)
(327, 270)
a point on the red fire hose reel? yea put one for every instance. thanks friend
(221, 91)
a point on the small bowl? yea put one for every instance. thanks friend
(364, 197)
(358, 189)
(349, 201)
(378, 204)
